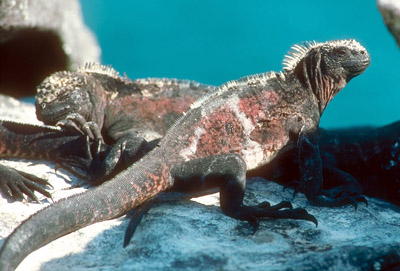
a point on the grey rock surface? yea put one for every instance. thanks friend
(195, 235)
(38, 38)
(62, 17)
(390, 10)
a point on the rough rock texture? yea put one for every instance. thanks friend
(195, 235)
(40, 37)
(390, 10)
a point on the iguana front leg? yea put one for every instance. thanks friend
(77, 122)
(311, 175)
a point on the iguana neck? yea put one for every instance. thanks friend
(310, 74)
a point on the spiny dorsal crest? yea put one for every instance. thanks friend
(93, 67)
(299, 51)
(260, 79)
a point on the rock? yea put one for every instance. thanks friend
(196, 235)
(38, 38)
(390, 10)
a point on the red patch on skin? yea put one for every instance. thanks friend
(255, 106)
(224, 134)
(157, 114)
(271, 135)
(159, 180)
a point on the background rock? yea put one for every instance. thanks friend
(38, 38)
(195, 235)
(390, 10)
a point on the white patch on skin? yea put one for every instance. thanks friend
(256, 79)
(187, 153)
(253, 152)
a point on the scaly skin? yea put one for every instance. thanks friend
(240, 126)
(99, 103)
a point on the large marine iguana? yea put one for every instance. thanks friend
(240, 126)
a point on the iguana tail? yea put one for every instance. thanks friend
(114, 198)
(22, 140)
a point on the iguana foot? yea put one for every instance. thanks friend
(75, 121)
(252, 214)
(340, 188)
(334, 197)
(281, 205)
(16, 184)
(327, 201)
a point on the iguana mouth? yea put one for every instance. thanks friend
(52, 114)
(358, 69)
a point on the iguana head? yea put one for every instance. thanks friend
(325, 68)
(63, 93)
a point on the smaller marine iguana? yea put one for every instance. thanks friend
(154, 104)
(96, 101)
(240, 126)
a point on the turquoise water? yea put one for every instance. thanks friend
(216, 41)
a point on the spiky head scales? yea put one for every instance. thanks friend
(325, 68)
(299, 51)
(57, 84)
(65, 82)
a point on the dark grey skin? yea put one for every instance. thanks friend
(240, 126)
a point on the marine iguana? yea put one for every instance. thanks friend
(96, 101)
(128, 114)
(239, 126)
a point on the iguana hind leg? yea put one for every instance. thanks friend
(228, 172)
